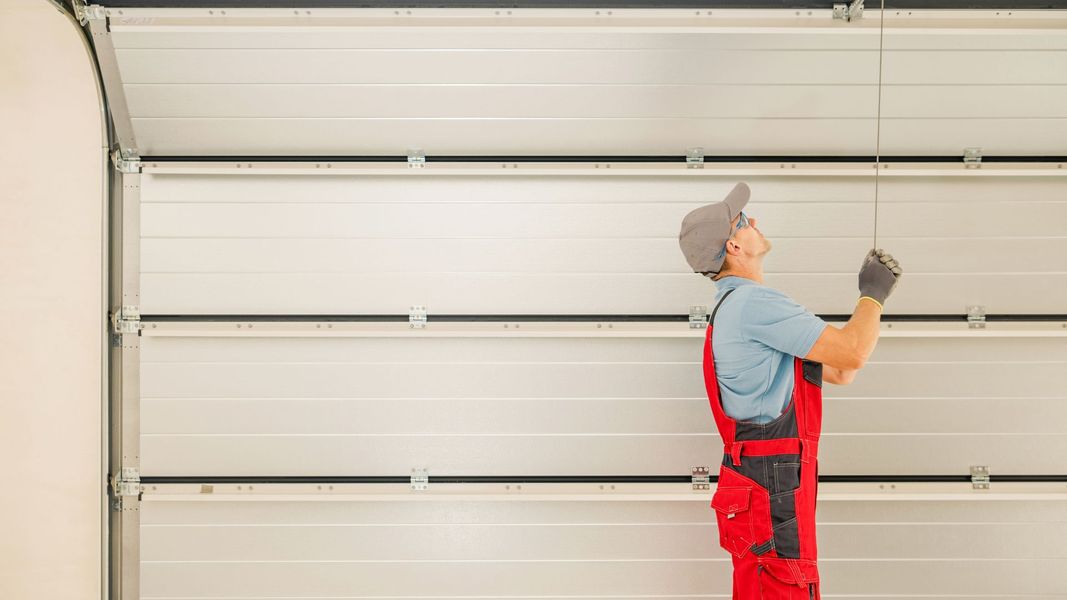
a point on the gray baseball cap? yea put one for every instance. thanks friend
(706, 230)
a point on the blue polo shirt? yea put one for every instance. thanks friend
(758, 331)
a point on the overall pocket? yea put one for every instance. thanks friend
(734, 518)
(787, 579)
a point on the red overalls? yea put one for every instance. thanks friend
(765, 499)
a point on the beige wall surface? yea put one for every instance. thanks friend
(52, 309)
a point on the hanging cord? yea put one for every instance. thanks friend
(878, 119)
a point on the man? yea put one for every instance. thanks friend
(763, 369)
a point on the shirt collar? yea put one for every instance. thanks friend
(730, 282)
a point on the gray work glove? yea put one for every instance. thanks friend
(879, 274)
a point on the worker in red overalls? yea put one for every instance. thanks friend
(765, 360)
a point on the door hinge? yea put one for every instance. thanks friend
(972, 158)
(417, 317)
(127, 482)
(126, 161)
(976, 317)
(85, 13)
(127, 319)
(416, 159)
(849, 12)
(701, 478)
(980, 477)
(694, 158)
(420, 480)
(698, 317)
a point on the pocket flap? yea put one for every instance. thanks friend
(791, 570)
(731, 499)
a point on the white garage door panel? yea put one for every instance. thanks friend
(602, 579)
(474, 542)
(972, 102)
(996, 137)
(163, 513)
(462, 455)
(703, 34)
(458, 543)
(518, 405)
(446, 184)
(394, 416)
(616, 455)
(510, 66)
(633, 255)
(343, 87)
(513, 101)
(341, 244)
(510, 137)
(507, 294)
(432, 580)
(1007, 67)
(435, 255)
(516, 416)
(660, 218)
(921, 548)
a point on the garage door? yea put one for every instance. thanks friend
(401, 313)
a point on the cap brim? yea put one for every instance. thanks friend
(737, 199)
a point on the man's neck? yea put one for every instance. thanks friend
(754, 275)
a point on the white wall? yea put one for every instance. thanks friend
(52, 309)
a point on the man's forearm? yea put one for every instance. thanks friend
(863, 327)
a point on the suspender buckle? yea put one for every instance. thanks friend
(735, 453)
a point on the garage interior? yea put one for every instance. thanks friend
(370, 339)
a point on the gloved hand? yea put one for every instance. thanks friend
(879, 274)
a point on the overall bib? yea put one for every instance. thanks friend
(765, 500)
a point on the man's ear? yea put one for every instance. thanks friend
(733, 247)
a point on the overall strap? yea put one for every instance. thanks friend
(711, 321)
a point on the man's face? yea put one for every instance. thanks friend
(750, 238)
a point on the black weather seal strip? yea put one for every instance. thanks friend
(603, 159)
(556, 318)
(658, 4)
(163, 480)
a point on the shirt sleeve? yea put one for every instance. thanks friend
(776, 320)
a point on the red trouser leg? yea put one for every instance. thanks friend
(753, 581)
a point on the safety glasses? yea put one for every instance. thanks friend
(742, 220)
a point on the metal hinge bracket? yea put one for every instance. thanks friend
(849, 12)
(698, 317)
(127, 319)
(416, 159)
(694, 158)
(972, 158)
(701, 478)
(127, 482)
(420, 480)
(980, 477)
(85, 13)
(976, 317)
(417, 317)
(126, 161)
